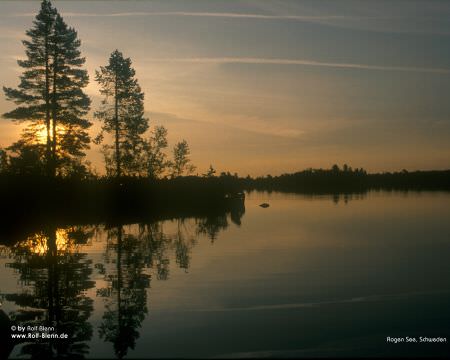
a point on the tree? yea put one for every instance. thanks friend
(181, 162)
(210, 173)
(50, 95)
(157, 162)
(26, 158)
(69, 103)
(34, 88)
(122, 113)
(335, 169)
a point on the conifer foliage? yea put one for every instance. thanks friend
(122, 114)
(50, 95)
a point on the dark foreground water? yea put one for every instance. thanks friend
(308, 276)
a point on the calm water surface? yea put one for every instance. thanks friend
(307, 276)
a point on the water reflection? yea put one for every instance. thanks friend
(305, 277)
(55, 275)
(125, 290)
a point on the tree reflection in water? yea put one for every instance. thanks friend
(133, 255)
(56, 271)
(126, 281)
(54, 276)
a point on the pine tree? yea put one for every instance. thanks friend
(210, 172)
(50, 95)
(33, 92)
(69, 103)
(122, 113)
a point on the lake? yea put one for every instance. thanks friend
(326, 276)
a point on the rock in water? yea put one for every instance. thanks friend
(264, 205)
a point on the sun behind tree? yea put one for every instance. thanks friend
(50, 94)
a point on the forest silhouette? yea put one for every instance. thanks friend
(45, 174)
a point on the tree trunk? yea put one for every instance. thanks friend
(54, 113)
(116, 117)
(48, 154)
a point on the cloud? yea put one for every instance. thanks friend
(301, 62)
(345, 21)
(202, 14)
(227, 15)
(232, 124)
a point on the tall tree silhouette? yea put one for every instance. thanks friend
(69, 103)
(33, 92)
(50, 94)
(122, 113)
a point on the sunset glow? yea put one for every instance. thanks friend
(38, 243)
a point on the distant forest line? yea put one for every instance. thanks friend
(32, 201)
(206, 190)
(344, 180)
(335, 179)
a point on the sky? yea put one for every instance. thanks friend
(263, 86)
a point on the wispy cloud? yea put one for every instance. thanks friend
(345, 21)
(216, 15)
(301, 62)
(241, 123)
(224, 15)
